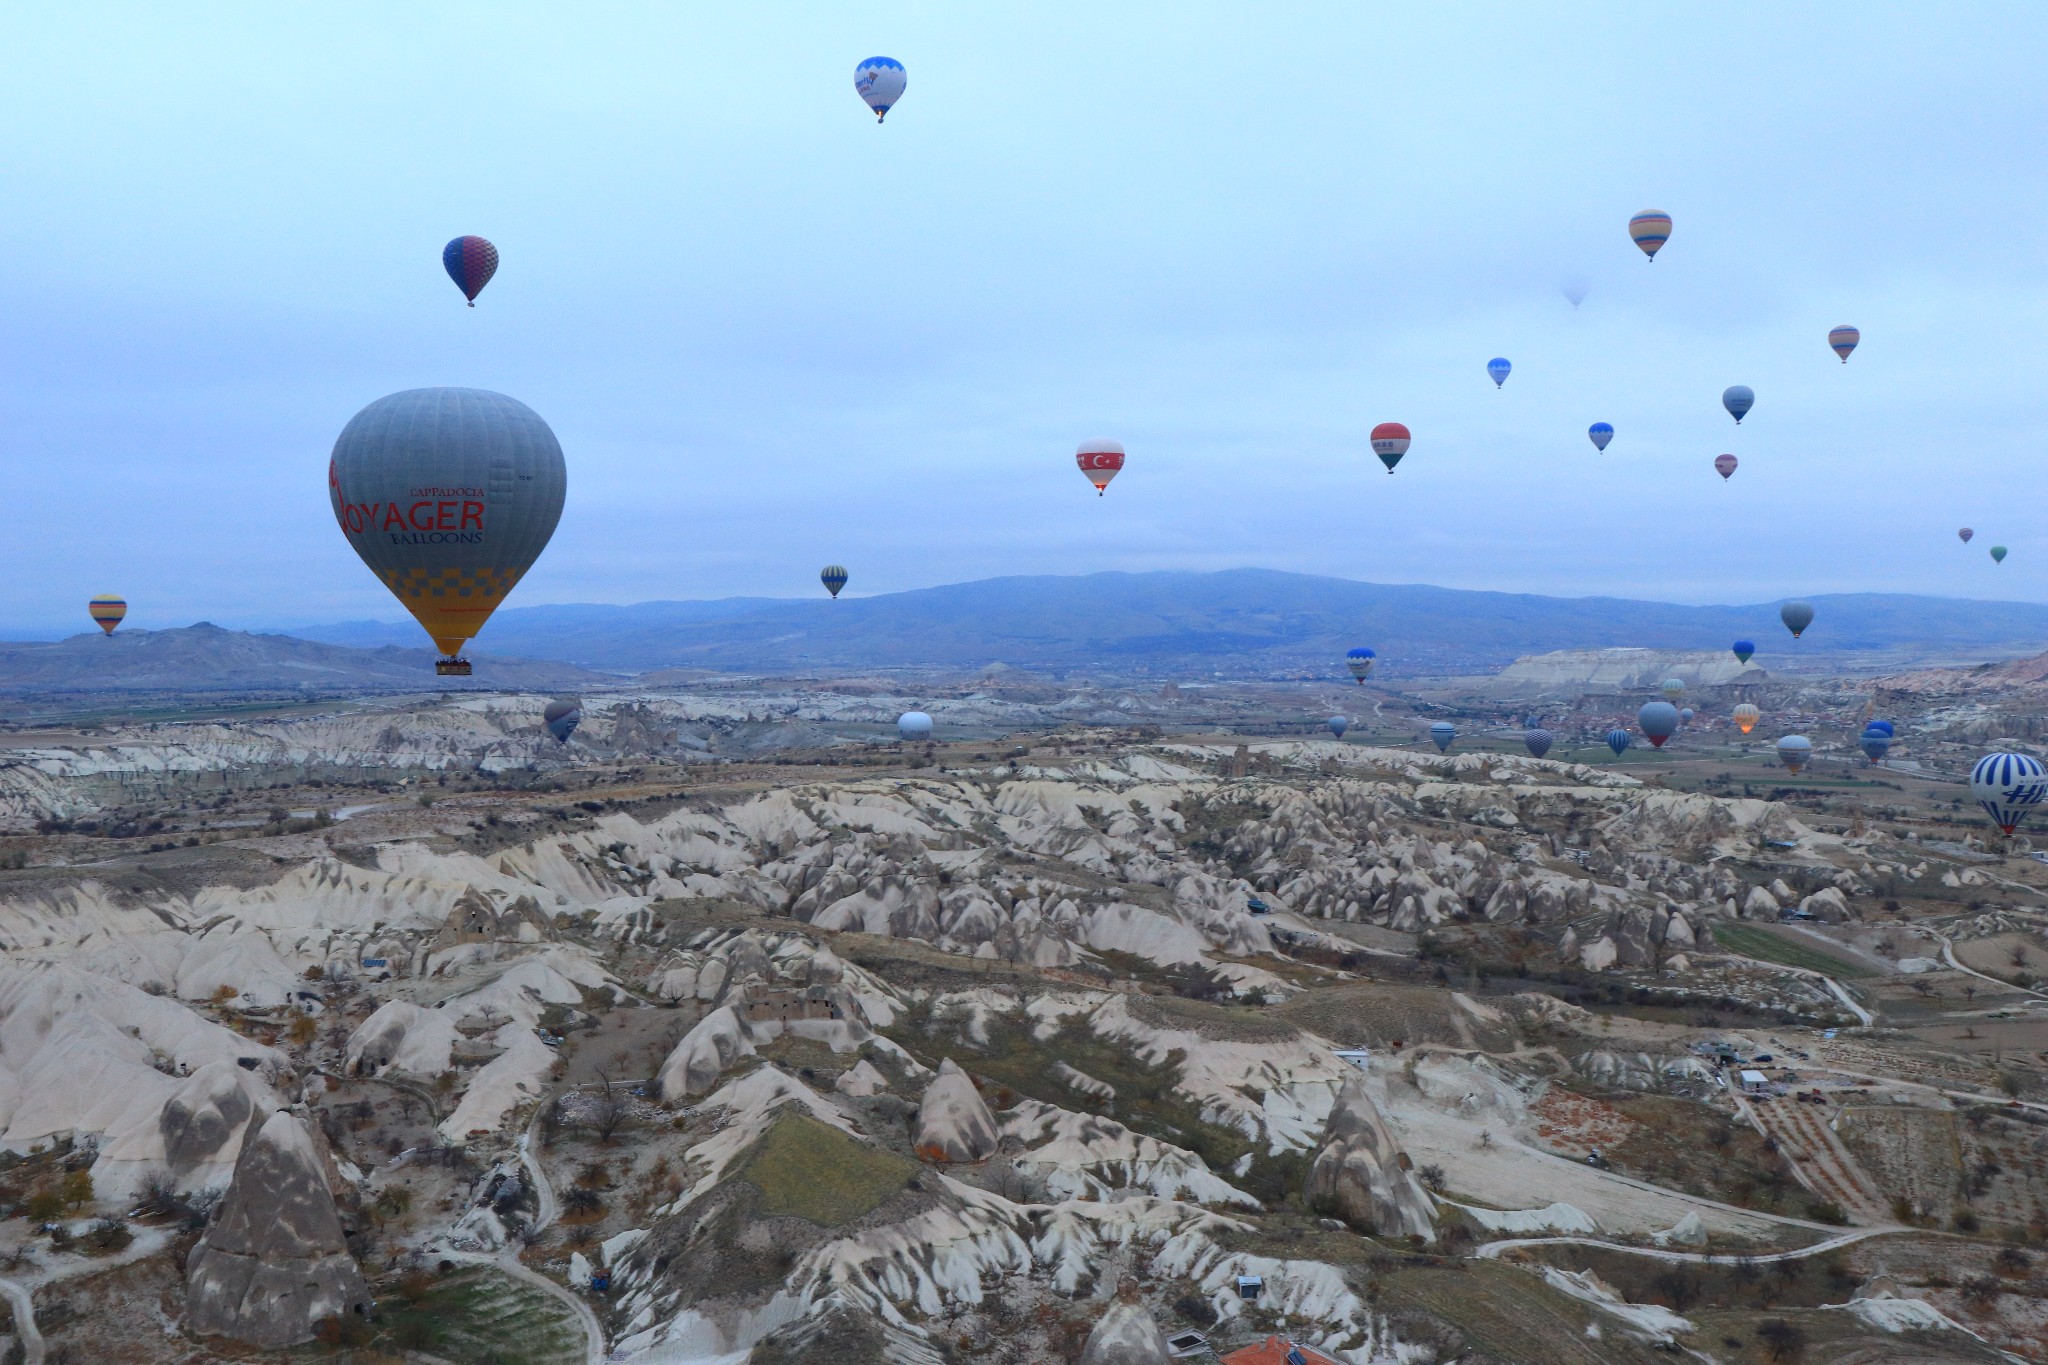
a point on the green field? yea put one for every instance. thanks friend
(481, 1317)
(1753, 940)
(809, 1169)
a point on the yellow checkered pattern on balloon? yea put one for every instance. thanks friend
(452, 604)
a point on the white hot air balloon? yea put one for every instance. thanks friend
(2008, 786)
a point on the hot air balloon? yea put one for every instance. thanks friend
(1738, 399)
(1672, 688)
(1649, 230)
(1685, 715)
(1724, 465)
(1538, 741)
(1338, 725)
(1743, 649)
(913, 725)
(1875, 744)
(1617, 740)
(1441, 734)
(1576, 287)
(107, 610)
(1797, 616)
(1359, 661)
(1843, 340)
(449, 496)
(1498, 368)
(1794, 751)
(1883, 727)
(1998, 554)
(1600, 434)
(2007, 786)
(1965, 534)
(470, 262)
(1100, 461)
(833, 576)
(562, 717)
(1658, 721)
(879, 81)
(1746, 717)
(1390, 443)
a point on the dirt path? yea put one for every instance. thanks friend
(24, 1322)
(148, 1242)
(1948, 955)
(1493, 1250)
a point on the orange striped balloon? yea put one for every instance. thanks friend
(1650, 229)
(107, 610)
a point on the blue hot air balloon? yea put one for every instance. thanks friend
(914, 725)
(562, 717)
(1743, 649)
(1875, 744)
(2007, 786)
(1883, 727)
(1685, 715)
(1658, 721)
(1600, 434)
(1738, 399)
(833, 576)
(470, 262)
(1498, 368)
(1359, 661)
(1338, 725)
(1538, 739)
(879, 81)
(1617, 740)
(1441, 734)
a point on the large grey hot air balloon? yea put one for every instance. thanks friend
(449, 495)
(1538, 741)
(1797, 616)
(1658, 721)
(1441, 734)
(914, 725)
(562, 717)
(1795, 751)
(1338, 725)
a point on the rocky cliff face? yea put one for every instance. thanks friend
(274, 1261)
(1361, 1175)
(1126, 1335)
(953, 1124)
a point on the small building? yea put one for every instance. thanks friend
(1753, 1082)
(1249, 1287)
(1357, 1056)
(1278, 1351)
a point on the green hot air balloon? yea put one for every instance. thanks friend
(1998, 554)
(449, 495)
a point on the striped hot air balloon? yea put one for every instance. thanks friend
(1649, 230)
(1390, 443)
(1617, 740)
(1441, 734)
(1795, 752)
(1600, 434)
(107, 610)
(1965, 534)
(2008, 786)
(833, 576)
(1842, 340)
(1724, 465)
(1100, 461)
(1746, 717)
(470, 262)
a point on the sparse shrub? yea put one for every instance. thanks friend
(1782, 1341)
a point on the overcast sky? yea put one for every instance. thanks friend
(771, 334)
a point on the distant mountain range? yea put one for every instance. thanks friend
(205, 658)
(1240, 621)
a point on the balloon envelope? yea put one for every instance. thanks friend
(1724, 465)
(1441, 734)
(1738, 399)
(1658, 721)
(1576, 287)
(562, 717)
(1498, 368)
(1100, 461)
(107, 610)
(1685, 715)
(449, 496)
(1672, 688)
(1746, 717)
(1794, 751)
(1797, 616)
(1965, 534)
(1359, 661)
(879, 81)
(1743, 649)
(1538, 741)
(2008, 786)
(1842, 340)
(1338, 725)
(1998, 554)
(833, 576)
(1600, 434)
(1883, 727)
(914, 725)
(1649, 230)
(1390, 443)
(470, 262)
(1617, 740)
(1875, 745)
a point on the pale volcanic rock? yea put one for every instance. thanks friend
(1361, 1174)
(953, 1122)
(1088, 1156)
(204, 1124)
(273, 1262)
(693, 1067)
(861, 1079)
(1126, 1335)
(401, 1036)
(1828, 904)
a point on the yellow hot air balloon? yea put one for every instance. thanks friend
(1746, 717)
(107, 610)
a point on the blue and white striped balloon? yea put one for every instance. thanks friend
(1498, 368)
(1441, 734)
(2007, 786)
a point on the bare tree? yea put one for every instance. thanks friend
(609, 1112)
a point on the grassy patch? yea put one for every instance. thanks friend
(811, 1170)
(1511, 1315)
(481, 1317)
(1752, 940)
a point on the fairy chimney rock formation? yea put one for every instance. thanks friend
(1126, 1335)
(273, 1263)
(952, 1123)
(1361, 1174)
